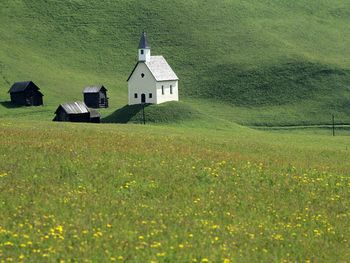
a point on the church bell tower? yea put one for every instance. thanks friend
(144, 49)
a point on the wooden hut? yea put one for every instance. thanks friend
(96, 97)
(76, 112)
(26, 93)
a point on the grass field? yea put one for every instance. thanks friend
(166, 194)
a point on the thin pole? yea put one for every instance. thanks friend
(333, 126)
(143, 113)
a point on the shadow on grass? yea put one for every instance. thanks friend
(10, 105)
(124, 114)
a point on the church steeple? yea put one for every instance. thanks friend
(144, 48)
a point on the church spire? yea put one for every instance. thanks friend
(144, 48)
(143, 41)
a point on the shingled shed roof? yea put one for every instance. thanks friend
(76, 107)
(94, 113)
(21, 86)
(94, 89)
(159, 68)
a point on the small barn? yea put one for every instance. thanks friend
(26, 93)
(76, 112)
(96, 97)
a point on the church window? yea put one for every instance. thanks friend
(171, 89)
(150, 95)
(135, 95)
(162, 90)
(142, 75)
(141, 51)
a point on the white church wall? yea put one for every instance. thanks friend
(142, 85)
(168, 95)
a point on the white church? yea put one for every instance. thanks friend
(152, 79)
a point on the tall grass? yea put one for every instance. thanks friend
(81, 193)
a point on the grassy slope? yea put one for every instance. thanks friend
(166, 113)
(272, 62)
(168, 194)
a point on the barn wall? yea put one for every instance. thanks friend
(84, 117)
(37, 100)
(33, 87)
(27, 98)
(103, 95)
(62, 116)
(95, 120)
(18, 98)
(92, 100)
(140, 85)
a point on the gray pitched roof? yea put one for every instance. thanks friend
(94, 113)
(21, 86)
(93, 89)
(76, 107)
(160, 69)
(143, 41)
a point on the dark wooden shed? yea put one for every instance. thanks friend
(26, 93)
(96, 97)
(76, 112)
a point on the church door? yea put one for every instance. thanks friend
(143, 98)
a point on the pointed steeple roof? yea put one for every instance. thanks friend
(143, 41)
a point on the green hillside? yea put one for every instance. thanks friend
(266, 62)
(165, 113)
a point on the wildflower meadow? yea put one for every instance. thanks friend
(79, 193)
